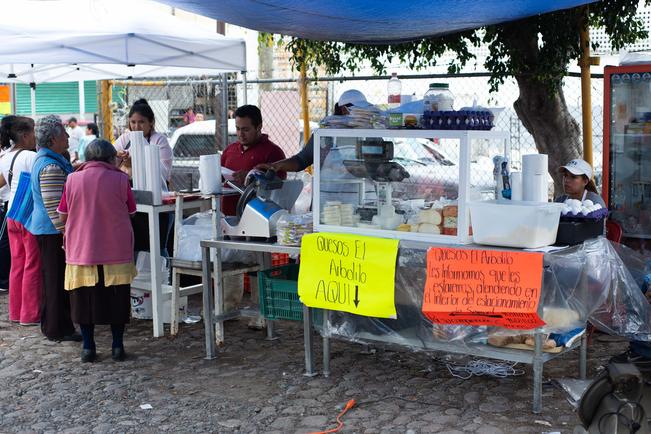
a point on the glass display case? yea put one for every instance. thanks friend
(627, 152)
(405, 184)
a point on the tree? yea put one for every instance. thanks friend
(536, 51)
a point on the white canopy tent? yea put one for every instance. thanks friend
(94, 39)
(73, 40)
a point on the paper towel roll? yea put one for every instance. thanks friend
(153, 175)
(516, 185)
(138, 165)
(210, 180)
(534, 177)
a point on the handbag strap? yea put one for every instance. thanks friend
(11, 167)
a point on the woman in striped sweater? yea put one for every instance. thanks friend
(48, 177)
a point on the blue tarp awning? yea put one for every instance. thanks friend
(369, 21)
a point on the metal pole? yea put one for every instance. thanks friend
(225, 109)
(245, 96)
(207, 303)
(13, 98)
(305, 106)
(105, 109)
(32, 93)
(82, 100)
(308, 342)
(537, 373)
(586, 97)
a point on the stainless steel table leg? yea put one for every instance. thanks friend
(207, 303)
(583, 357)
(271, 334)
(219, 295)
(264, 259)
(308, 342)
(537, 374)
(326, 344)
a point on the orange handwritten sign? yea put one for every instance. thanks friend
(483, 287)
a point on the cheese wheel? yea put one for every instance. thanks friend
(428, 228)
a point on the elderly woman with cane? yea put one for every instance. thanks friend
(96, 207)
(48, 177)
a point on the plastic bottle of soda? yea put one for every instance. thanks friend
(394, 88)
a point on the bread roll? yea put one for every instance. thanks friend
(430, 216)
(428, 228)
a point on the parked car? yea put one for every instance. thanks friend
(198, 138)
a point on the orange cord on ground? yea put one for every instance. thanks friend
(348, 406)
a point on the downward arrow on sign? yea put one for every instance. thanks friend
(356, 299)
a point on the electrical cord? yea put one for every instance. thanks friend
(633, 425)
(350, 404)
(340, 424)
(479, 367)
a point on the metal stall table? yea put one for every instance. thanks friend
(155, 285)
(217, 318)
(537, 358)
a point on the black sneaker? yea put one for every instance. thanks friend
(88, 356)
(118, 354)
(75, 337)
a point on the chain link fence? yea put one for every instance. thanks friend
(279, 101)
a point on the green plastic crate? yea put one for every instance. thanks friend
(279, 293)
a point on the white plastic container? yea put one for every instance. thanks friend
(520, 224)
(141, 307)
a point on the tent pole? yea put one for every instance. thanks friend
(586, 97)
(13, 98)
(244, 95)
(32, 94)
(225, 110)
(105, 108)
(82, 100)
(305, 106)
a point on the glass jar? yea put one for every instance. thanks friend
(438, 98)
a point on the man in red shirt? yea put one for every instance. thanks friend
(251, 149)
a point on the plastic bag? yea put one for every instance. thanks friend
(291, 228)
(143, 267)
(199, 227)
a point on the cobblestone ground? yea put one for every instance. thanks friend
(257, 386)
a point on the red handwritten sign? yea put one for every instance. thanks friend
(483, 287)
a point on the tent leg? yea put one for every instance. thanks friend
(32, 93)
(244, 93)
(305, 105)
(225, 109)
(82, 100)
(586, 97)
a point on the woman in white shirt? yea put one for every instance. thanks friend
(141, 118)
(17, 132)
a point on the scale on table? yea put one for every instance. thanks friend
(374, 161)
(264, 200)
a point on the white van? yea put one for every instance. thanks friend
(198, 138)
